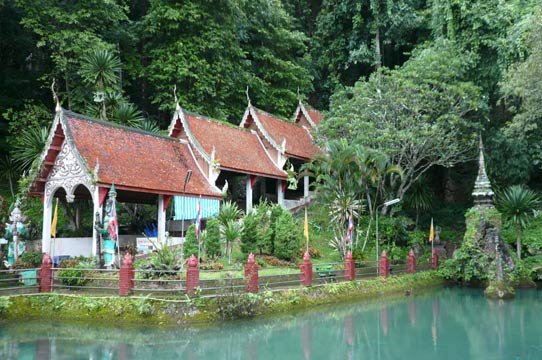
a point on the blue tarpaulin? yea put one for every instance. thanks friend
(209, 207)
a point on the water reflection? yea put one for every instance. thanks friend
(449, 324)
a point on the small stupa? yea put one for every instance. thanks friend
(482, 193)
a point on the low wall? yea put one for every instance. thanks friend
(82, 246)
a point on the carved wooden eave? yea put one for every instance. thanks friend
(301, 109)
(178, 124)
(61, 165)
(250, 111)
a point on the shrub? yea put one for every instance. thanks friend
(287, 237)
(190, 242)
(212, 239)
(273, 261)
(73, 273)
(212, 266)
(29, 260)
(5, 303)
(237, 305)
(249, 234)
(313, 252)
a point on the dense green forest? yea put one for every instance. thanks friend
(416, 79)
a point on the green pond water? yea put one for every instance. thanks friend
(443, 324)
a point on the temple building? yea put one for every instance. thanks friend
(290, 143)
(200, 162)
(84, 157)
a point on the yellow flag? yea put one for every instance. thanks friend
(55, 220)
(306, 227)
(431, 232)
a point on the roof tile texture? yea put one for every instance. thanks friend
(235, 148)
(142, 161)
(299, 142)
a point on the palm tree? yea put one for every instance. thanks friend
(517, 204)
(8, 172)
(419, 197)
(231, 232)
(126, 113)
(29, 147)
(101, 70)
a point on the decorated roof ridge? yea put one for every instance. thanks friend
(252, 110)
(273, 115)
(219, 122)
(305, 110)
(193, 124)
(115, 125)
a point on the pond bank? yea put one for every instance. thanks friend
(205, 310)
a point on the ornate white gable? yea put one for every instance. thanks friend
(68, 172)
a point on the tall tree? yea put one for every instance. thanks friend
(422, 114)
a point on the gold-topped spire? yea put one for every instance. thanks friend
(55, 97)
(177, 106)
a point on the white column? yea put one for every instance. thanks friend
(96, 208)
(161, 220)
(249, 195)
(280, 193)
(305, 186)
(47, 218)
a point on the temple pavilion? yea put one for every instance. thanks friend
(198, 163)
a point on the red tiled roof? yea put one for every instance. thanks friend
(235, 149)
(135, 159)
(316, 116)
(299, 143)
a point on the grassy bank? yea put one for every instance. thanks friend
(203, 310)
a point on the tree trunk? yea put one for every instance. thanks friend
(518, 240)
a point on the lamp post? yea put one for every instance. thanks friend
(387, 203)
(186, 181)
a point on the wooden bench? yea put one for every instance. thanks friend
(324, 271)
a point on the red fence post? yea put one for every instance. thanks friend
(126, 276)
(306, 270)
(192, 275)
(349, 267)
(411, 262)
(251, 275)
(46, 274)
(434, 259)
(384, 264)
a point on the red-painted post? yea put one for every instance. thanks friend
(126, 276)
(384, 264)
(46, 274)
(306, 270)
(349, 267)
(411, 262)
(192, 275)
(251, 275)
(434, 259)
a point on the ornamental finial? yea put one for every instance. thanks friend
(248, 97)
(55, 97)
(177, 106)
(298, 95)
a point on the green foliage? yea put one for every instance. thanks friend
(72, 273)
(249, 234)
(165, 260)
(190, 242)
(212, 238)
(29, 146)
(30, 260)
(5, 303)
(236, 305)
(422, 114)
(288, 236)
(517, 204)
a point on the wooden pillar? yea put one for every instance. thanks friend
(280, 193)
(161, 218)
(305, 186)
(47, 218)
(249, 195)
